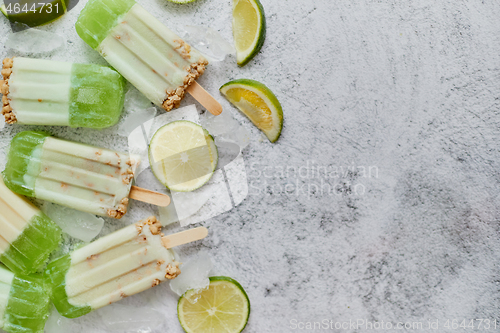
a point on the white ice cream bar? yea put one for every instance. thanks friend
(82, 177)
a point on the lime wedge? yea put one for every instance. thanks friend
(258, 103)
(249, 29)
(34, 13)
(222, 308)
(183, 156)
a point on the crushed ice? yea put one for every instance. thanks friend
(137, 109)
(132, 120)
(194, 274)
(129, 318)
(80, 225)
(209, 42)
(225, 128)
(34, 41)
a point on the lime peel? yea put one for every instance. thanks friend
(264, 110)
(248, 20)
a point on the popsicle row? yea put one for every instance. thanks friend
(149, 55)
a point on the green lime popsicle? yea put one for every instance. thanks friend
(148, 54)
(71, 174)
(27, 236)
(24, 302)
(44, 92)
(111, 268)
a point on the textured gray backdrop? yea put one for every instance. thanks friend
(389, 208)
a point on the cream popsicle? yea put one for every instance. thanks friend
(148, 54)
(71, 174)
(24, 302)
(44, 92)
(27, 236)
(113, 267)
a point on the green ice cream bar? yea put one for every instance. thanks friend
(45, 92)
(24, 302)
(27, 236)
(111, 268)
(148, 54)
(71, 174)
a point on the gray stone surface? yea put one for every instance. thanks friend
(389, 209)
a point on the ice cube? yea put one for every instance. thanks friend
(209, 42)
(194, 274)
(128, 318)
(80, 225)
(135, 100)
(184, 205)
(34, 41)
(59, 324)
(220, 124)
(134, 119)
(239, 136)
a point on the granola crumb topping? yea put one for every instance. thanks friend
(174, 97)
(128, 175)
(172, 270)
(184, 49)
(155, 282)
(10, 118)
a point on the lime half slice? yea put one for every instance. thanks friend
(222, 308)
(249, 29)
(258, 103)
(183, 156)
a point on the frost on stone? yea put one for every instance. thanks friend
(34, 41)
(194, 274)
(134, 119)
(209, 42)
(80, 225)
(128, 318)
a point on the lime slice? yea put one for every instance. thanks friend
(223, 308)
(183, 156)
(249, 29)
(33, 13)
(258, 103)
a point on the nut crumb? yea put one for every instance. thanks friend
(6, 72)
(155, 282)
(174, 96)
(172, 270)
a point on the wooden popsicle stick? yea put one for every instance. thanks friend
(205, 99)
(148, 196)
(184, 237)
